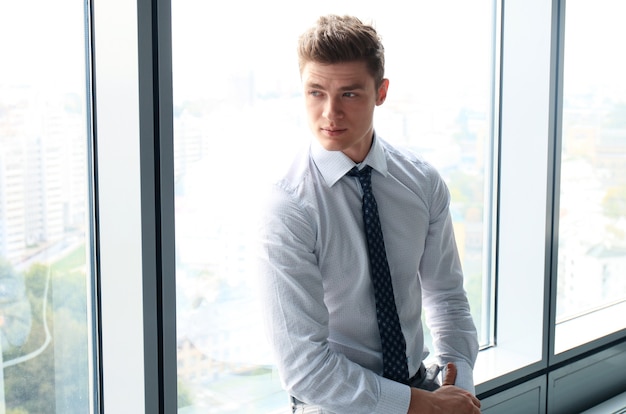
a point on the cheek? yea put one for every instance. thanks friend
(365, 111)
(313, 110)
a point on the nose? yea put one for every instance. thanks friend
(333, 109)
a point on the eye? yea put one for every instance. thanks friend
(315, 94)
(349, 94)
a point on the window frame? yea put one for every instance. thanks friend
(134, 175)
(525, 138)
(591, 342)
(133, 127)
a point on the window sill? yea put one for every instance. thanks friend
(589, 327)
(493, 364)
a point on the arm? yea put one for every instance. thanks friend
(298, 320)
(445, 302)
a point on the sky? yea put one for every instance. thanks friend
(42, 44)
(210, 36)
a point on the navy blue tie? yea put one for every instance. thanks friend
(392, 339)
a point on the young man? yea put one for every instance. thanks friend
(323, 313)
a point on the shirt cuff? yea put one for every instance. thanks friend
(394, 397)
(464, 376)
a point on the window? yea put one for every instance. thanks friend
(236, 78)
(238, 105)
(524, 135)
(592, 215)
(45, 216)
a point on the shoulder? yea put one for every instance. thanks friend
(414, 173)
(289, 185)
(404, 159)
(297, 174)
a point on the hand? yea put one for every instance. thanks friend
(448, 399)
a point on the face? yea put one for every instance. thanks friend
(340, 99)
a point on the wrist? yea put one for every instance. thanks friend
(421, 402)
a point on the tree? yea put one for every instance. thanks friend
(29, 383)
(39, 383)
(614, 202)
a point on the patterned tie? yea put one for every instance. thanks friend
(392, 340)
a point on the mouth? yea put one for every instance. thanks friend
(333, 131)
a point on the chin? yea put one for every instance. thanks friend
(332, 145)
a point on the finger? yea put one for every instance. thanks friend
(450, 377)
(475, 401)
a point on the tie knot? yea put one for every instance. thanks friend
(364, 173)
(365, 178)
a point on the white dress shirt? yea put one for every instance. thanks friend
(316, 285)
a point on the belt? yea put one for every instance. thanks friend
(419, 376)
(414, 381)
(426, 379)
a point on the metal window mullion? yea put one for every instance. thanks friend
(552, 230)
(157, 200)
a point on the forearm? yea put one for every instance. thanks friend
(448, 399)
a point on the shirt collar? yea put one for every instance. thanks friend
(335, 164)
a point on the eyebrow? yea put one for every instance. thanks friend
(350, 87)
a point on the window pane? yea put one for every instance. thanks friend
(238, 117)
(592, 221)
(44, 226)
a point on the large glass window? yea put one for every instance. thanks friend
(45, 260)
(238, 116)
(592, 220)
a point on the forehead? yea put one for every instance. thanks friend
(337, 74)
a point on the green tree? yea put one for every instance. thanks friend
(29, 383)
(614, 202)
(40, 384)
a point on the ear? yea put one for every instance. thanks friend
(382, 92)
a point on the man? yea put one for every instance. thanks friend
(317, 281)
